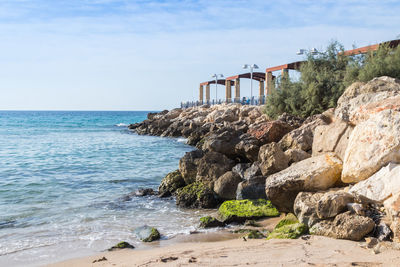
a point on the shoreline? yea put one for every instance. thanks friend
(306, 251)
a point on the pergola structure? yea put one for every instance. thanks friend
(207, 85)
(235, 80)
(366, 49)
(284, 69)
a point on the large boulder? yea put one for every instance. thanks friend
(332, 138)
(272, 159)
(242, 210)
(333, 203)
(295, 155)
(313, 174)
(226, 185)
(171, 183)
(248, 147)
(196, 195)
(188, 165)
(373, 144)
(302, 137)
(253, 188)
(253, 171)
(380, 186)
(360, 101)
(212, 165)
(344, 226)
(305, 207)
(271, 131)
(222, 143)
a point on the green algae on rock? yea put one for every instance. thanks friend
(196, 195)
(288, 228)
(209, 222)
(147, 233)
(121, 245)
(241, 210)
(171, 183)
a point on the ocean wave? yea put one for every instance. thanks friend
(121, 125)
(181, 140)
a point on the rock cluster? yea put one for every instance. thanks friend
(339, 171)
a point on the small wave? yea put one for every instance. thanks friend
(181, 140)
(121, 125)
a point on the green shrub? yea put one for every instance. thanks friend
(324, 77)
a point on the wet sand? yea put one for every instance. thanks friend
(306, 251)
(222, 248)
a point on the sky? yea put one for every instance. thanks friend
(151, 55)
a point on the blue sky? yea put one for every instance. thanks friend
(150, 55)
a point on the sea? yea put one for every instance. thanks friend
(64, 178)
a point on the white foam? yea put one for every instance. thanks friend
(181, 140)
(121, 125)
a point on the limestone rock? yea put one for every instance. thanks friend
(293, 121)
(313, 174)
(380, 186)
(226, 185)
(296, 155)
(302, 137)
(188, 165)
(171, 183)
(373, 144)
(222, 143)
(253, 188)
(360, 101)
(248, 147)
(240, 169)
(331, 138)
(271, 131)
(344, 226)
(333, 203)
(253, 171)
(272, 159)
(305, 207)
(212, 165)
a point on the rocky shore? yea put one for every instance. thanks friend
(338, 172)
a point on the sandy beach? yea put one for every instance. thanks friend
(306, 251)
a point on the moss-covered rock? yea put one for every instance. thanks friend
(241, 210)
(290, 218)
(171, 183)
(147, 233)
(209, 222)
(121, 245)
(250, 233)
(288, 228)
(196, 195)
(288, 231)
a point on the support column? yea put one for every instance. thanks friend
(237, 90)
(269, 87)
(228, 91)
(207, 92)
(201, 94)
(261, 92)
(285, 73)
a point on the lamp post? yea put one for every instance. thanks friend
(216, 83)
(251, 67)
(313, 51)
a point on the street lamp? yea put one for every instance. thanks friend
(313, 51)
(251, 67)
(216, 83)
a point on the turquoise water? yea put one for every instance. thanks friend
(63, 176)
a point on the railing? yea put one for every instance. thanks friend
(253, 101)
